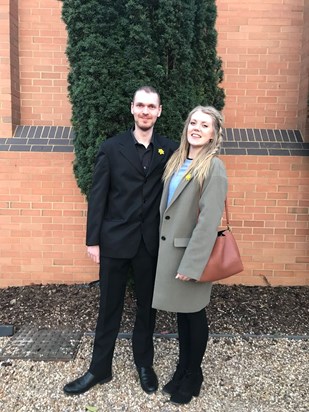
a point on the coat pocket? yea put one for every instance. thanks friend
(181, 241)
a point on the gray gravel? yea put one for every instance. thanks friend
(241, 375)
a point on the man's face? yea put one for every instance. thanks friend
(146, 109)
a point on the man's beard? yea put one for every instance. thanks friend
(145, 128)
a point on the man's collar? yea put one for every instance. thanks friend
(136, 141)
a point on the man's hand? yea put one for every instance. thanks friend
(94, 253)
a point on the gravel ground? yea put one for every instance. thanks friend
(242, 374)
(255, 375)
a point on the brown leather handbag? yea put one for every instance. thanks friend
(225, 260)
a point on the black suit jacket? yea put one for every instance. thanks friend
(123, 205)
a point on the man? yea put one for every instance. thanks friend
(123, 230)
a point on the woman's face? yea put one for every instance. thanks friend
(200, 130)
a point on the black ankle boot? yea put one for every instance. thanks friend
(174, 383)
(190, 386)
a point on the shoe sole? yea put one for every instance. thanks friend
(149, 392)
(194, 395)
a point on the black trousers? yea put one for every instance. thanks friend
(193, 334)
(113, 280)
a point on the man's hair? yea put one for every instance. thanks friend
(147, 89)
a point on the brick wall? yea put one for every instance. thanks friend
(264, 48)
(304, 86)
(263, 45)
(42, 218)
(43, 214)
(43, 64)
(269, 196)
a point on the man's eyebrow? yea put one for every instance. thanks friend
(146, 104)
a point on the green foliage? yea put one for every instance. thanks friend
(116, 46)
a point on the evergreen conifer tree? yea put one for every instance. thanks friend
(115, 46)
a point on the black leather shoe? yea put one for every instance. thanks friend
(190, 386)
(148, 379)
(84, 383)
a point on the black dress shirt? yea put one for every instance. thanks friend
(145, 154)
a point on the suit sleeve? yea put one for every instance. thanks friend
(211, 205)
(98, 197)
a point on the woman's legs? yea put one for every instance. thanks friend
(183, 326)
(193, 337)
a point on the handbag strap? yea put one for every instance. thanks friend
(227, 217)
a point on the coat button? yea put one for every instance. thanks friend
(163, 237)
(167, 217)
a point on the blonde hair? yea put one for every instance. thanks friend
(199, 167)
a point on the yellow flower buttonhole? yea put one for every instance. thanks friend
(161, 151)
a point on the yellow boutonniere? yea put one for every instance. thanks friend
(188, 177)
(161, 152)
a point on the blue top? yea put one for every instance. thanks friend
(175, 180)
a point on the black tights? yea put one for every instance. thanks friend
(193, 337)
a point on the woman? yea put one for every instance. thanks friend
(195, 187)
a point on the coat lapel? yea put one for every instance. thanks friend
(160, 152)
(163, 203)
(180, 188)
(128, 150)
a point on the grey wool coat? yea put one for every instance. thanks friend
(188, 230)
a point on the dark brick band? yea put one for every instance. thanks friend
(264, 142)
(259, 142)
(39, 139)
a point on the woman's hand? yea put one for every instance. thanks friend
(184, 278)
